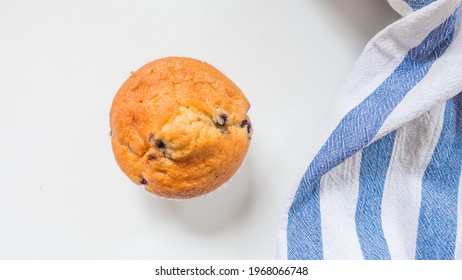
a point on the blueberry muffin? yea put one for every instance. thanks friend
(179, 127)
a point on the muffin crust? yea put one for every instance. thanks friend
(179, 127)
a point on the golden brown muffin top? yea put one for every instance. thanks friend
(179, 127)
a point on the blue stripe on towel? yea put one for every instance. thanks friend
(436, 235)
(374, 166)
(304, 238)
(418, 4)
(355, 131)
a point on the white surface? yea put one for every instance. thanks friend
(62, 196)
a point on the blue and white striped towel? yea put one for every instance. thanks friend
(386, 182)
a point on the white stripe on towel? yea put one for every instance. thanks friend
(444, 74)
(338, 206)
(401, 198)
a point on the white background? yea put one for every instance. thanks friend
(62, 195)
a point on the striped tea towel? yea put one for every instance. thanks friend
(386, 182)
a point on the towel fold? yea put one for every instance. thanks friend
(386, 182)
